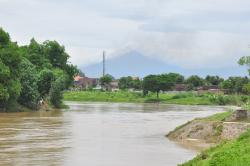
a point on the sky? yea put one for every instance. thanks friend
(192, 35)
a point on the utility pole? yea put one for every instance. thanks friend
(103, 63)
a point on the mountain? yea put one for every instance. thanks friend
(133, 64)
(136, 64)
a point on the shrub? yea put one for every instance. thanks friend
(182, 95)
(219, 99)
(28, 77)
(56, 94)
(244, 99)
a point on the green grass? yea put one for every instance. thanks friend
(218, 117)
(187, 98)
(230, 153)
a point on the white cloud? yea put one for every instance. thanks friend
(189, 33)
(194, 49)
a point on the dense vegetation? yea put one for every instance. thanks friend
(32, 73)
(167, 82)
(129, 83)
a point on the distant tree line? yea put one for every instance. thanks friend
(167, 82)
(33, 73)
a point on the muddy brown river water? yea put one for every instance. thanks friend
(97, 134)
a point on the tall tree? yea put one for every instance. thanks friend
(56, 54)
(29, 78)
(213, 80)
(125, 82)
(10, 58)
(152, 83)
(195, 81)
(37, 56)
(45, 79)
(33, 71)
(106, 80)
(234, 84)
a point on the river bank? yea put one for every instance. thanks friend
(45, 106)
(230, 136)
(183, 98)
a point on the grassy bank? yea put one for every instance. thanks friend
(230, 153)
(135, 97)
(234, 152)
(208, 129)
(219, 117)
(187, 98)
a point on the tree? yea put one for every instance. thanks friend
(176, 78)
(45, 79)
(227, 85)
(56, 54)
(136, 84)
(33, 71)
(10, 59)
(125, 82)
(37, 56)
(162, 82)
(106, 80)
(71, 72)
(152, 83)
(245, 61)
(55, 94)
(29, 95)
(4, 78)
(169, 80)
(129, 82)
(246, 89)
(213, 80)
(234, 84)
(195, 81)
(4, 38)
(4, 95)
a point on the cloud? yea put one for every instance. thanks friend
(190, 33)
(194, 50)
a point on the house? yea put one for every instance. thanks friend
(180, 87)
(210, 89)
(114, 85)
(85, 82)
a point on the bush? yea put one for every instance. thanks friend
(219, 99)
(244, 99)
(56, 94)
(246, 88)
(45, 79)
(182, 95)
(28, 77)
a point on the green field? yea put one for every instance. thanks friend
(186, 98)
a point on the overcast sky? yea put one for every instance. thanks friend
(191, 34)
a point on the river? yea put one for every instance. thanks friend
(97, 134)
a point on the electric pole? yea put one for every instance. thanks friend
(103, 63)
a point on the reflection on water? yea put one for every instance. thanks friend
(97, 134)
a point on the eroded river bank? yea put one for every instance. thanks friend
(98, 134)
